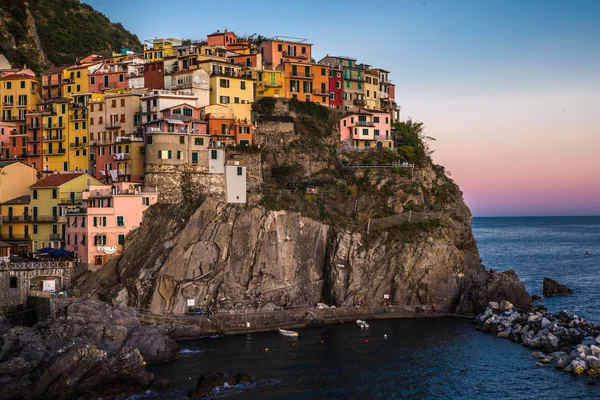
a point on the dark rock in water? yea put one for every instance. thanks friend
(494, 287)
(553, 288)
(154, 346)
(535, 297)
(211, 380)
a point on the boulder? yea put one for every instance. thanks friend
(583, 350)
(545, 323)
(322, 305)
(578, 367)
(553, 340)
(154, 346)
(537, 354)
(505, 334)
(595, 350)
(494, 305)
(598, 340)
(553, 288)
(563, 362)
(535, 297)
(506, 305)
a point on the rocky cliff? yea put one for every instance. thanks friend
(44, 33)
(326, 227)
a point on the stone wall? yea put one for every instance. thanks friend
(10, 297)
(169, 180)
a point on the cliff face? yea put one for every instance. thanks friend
(44, 33)
(333, 244)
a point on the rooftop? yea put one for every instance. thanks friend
(56, 180)
(19, 200)
(7, 163)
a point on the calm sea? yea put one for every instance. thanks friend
(420, 359)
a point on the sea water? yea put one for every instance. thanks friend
(421, 359)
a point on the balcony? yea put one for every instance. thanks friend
(45, 218)
(17, 218)
(124, 172)
(359, 102)
(303, 75)
(320, 92)
(276, 83)
(13, 118)
(57, 152)
(233, 74)
(74, 198)
(56, 236)
(22, 105)
(364, 123)
(18, 236)
(77, 145)
(33, 127)
(354, 78)
(121, 156)
(101, 142)
(68, 81)
(77, 117)
(7, 104)
(59, 125)
(35, 139)
(33, 153)
(294, 55)
(78, 105)
(113, 125)
(51, 138)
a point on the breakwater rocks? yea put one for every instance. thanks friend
(91, 350)
(568, 342)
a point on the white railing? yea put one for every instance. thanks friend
(30, 265)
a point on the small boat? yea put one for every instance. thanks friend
(362, 324)
(288, 333)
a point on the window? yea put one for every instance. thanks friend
(376, 120)
(213, 155)
(12, 282)
(79, 74)
(224, 99)
(54, 193)
(83, 125)
(169, 154)
(120, 221)
(93, 81)
(149, 139)
(146, 201)
(114, 104)
(195, 157)
(347, 84)
(187, 112)
(387, 120)
(35, 229)
(121, 78)
(122, 102)
(8, 85)
(323, 71)
(181, 139)
(243, 85)
(22, 84)
(240, 170)
(376, 132)
(344, 122)
(76, 126)
(279, 48)
(179, 155)
(365, 132)
(121, 240)
(83, 222)
(69, 89)
(236, 100)
(91, 121)
(224, 83)
(303, 50)
(199, 142)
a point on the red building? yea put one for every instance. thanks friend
(335, 87)
(154, 75)
(108, 76)
(221, 38)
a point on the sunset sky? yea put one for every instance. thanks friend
(510, 89)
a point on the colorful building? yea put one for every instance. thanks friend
(115, 139)
(230, 84)
(7, 150)
(387, 94)
(158, 49)
(365, 129)
(372, 90)
(76, 78)
(47, 136)
(196, 81)
(96, 231)
(353, 81)
(282, 48)
(51, 198)
(20, 93)
(16, 223)
(154, 101)
(335, 87)
(270, 84)
(306, 82)
(52, 83)
(154, 75)
(224, 127)
(221, 38)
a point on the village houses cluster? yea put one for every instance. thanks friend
(77, 142)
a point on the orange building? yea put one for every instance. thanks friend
(221, 38)
(282, 48)
(253, 61)
(306, 82)
(224, 127)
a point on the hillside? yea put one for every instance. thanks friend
(45, 33)
(316, 228)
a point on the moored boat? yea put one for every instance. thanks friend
(288, 333)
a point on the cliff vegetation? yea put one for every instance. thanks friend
(46, 33)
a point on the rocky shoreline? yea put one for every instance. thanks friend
(566, 341)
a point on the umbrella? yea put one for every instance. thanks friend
(60, 253)
(46, 250)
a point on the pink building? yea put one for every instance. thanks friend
(108, 76)
(364, 129)
(96, 232)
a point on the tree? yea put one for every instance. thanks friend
(411, 136)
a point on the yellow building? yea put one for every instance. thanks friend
(270, 84)
(54, 156)
(20, 92)
(15, 179)
(230, 85)
(76, 79)
(51, 198)
(157, 49)
(371, 89)
(17, 223)
(78, 132)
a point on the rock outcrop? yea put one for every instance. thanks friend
(553, 288)
(211, 380)
(90, 351)
(565, 340)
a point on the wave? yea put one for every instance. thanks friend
(191, 351)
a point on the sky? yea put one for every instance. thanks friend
(510, 90)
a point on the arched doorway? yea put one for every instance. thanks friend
(379, 145)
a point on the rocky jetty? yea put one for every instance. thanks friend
(567, 341)
(92, 350)
(211, 380)
(553, 288)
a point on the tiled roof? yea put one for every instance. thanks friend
(18, 76)
(55, 69)
(56, 180)
(19, 200)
